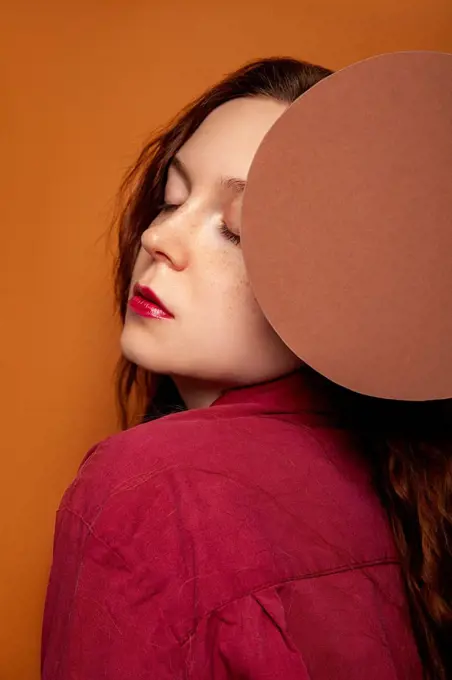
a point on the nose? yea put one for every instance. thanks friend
(166, 242)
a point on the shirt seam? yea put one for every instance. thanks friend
(384, 561)
(133, 482)
(359, 566)
(278, 415)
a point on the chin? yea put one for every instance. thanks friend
(134, 351)
(139, 351)
(133, 348)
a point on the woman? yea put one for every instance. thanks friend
(262, 522)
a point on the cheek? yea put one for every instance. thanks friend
(238, 304)
(140, 265)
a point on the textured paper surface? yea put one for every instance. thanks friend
(347, 226)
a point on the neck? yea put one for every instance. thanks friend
(197, 393)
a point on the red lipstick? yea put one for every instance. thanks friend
(145, 302)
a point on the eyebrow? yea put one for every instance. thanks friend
(237, 185)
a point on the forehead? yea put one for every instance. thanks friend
(227, 140)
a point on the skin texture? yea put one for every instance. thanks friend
(219, 337)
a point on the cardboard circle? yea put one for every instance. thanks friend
(347, 226)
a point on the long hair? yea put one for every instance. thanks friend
(408, 444)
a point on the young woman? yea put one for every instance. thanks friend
(261, 523)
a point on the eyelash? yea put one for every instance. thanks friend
(166, 207)
(229, 235)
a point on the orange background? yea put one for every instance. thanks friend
(83, 84)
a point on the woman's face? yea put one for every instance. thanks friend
(190, 257)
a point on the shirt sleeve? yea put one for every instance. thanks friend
(246, 639)
(122, 598)
(106, 615)
(110, 618)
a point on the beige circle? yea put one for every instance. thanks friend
(347, 226)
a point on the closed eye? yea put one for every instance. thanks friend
(229, 235)
(167, 207)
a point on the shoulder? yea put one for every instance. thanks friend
(242, 469)
(189, 499)
(229, 503)
(196, 469)
(219, 441)
(181, 520)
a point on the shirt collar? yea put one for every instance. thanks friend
(301, 391)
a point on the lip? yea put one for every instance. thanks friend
(146, 303)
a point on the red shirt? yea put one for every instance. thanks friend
(243, 540)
